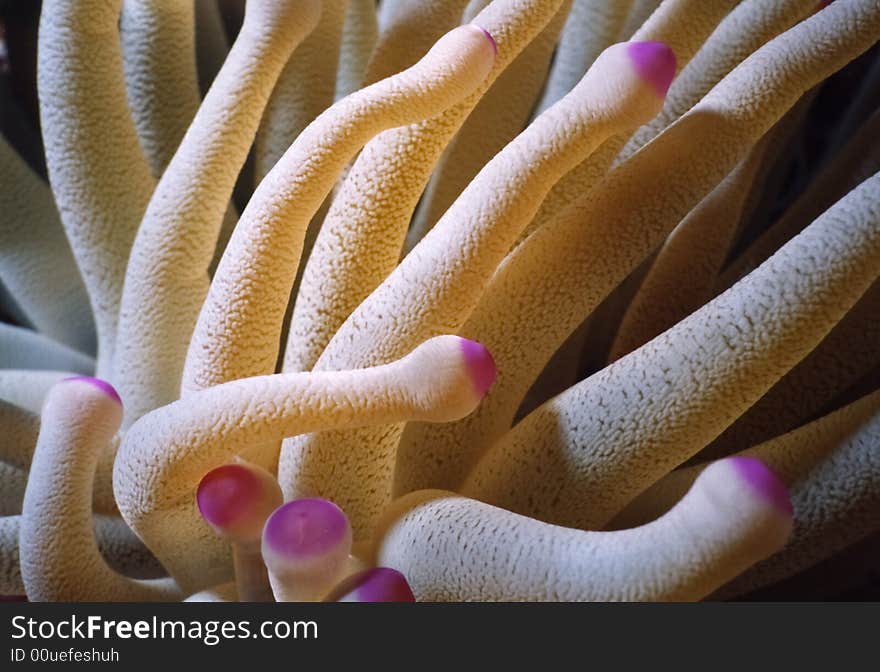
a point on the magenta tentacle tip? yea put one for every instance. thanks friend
(102, 385)
(491, 39)
(306, 527)
(655, 63)
(226, 493)
(480, 365)
(379, 584)
(764, 481)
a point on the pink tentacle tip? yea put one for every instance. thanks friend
(655, 63)
(491, 39)
(480, 365)
(225, 493)
(379, 584)
(102, 385)
(764, 482)
(306, 527)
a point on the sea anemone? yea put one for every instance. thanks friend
(508, 300)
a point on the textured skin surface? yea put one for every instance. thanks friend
(60, 560)
(362, 235)
(239, 327)
(36, 263)
(832, 469)
(407, 34)
(121, 549)
(359, 35)
(471, 239)
(591, 26)
(579, 458)
(749, 25)
(159, 60)
(459, 256)
(602, 238)
(99, 175)
(21, 348)
(498, 118)
(166, 453)
(453, 548)
(681, 278)
(684, 25)
(166, 281)
(740, 33)
(304, 89)
(843, 356)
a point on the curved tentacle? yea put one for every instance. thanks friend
(602, 238)
(253, 281)
(99, 175)
(591, 27)
(832, 471)
(498, 118)
(165, 454)
(166, 281)
(362, 235)
(60, 560)
(439, 282)
(579, 458)
(453, 548)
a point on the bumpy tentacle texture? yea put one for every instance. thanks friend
(407, 34)
(253, 281)
(624, 88)
(304, 89)
(817, 381)
(740, 33)
(453, 548)
(166, 281)
(362, 235)
(499, 116)
(60, 560)
(120, 548)
(832, 469)
(603, 237)
(591, 26)
(159, 57)
(36, 263)
(166, 453)
(583, 455)
(681, 278)
(99, 175)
